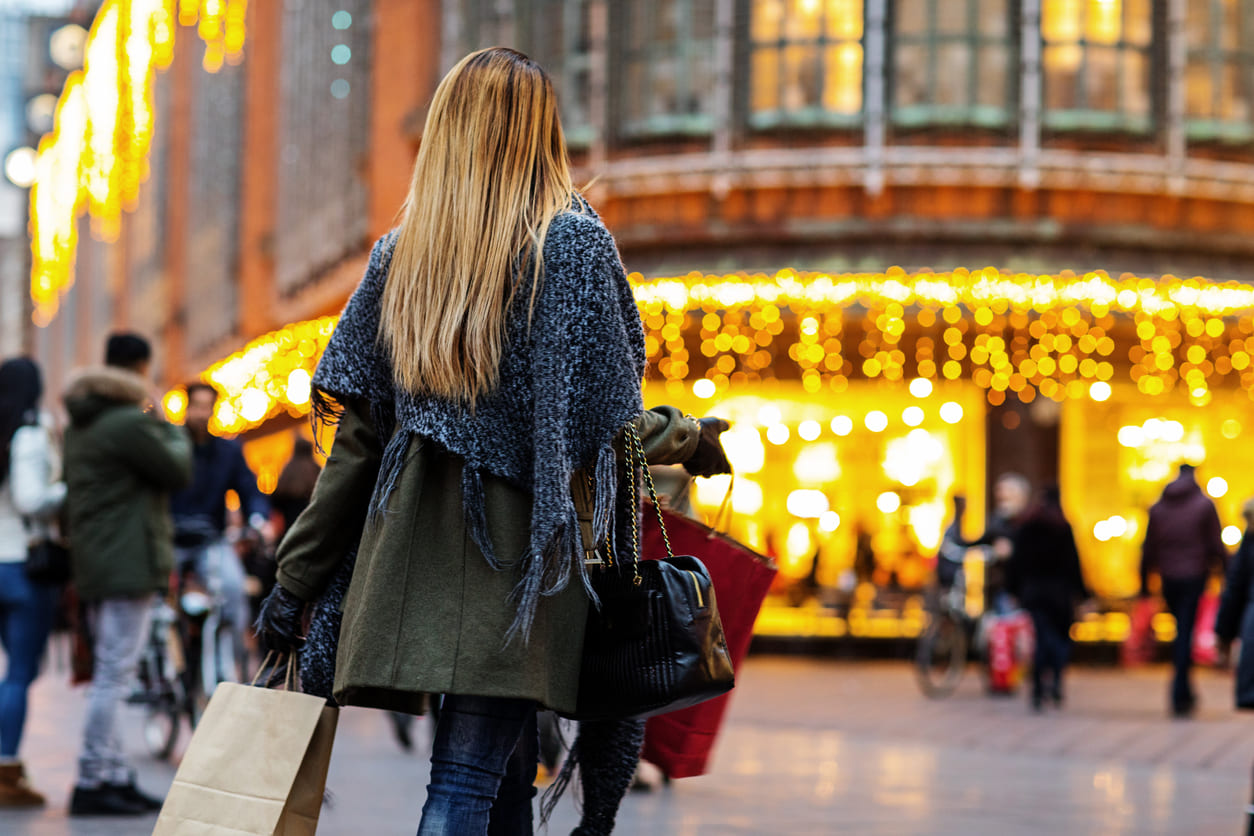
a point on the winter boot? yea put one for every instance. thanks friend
(15, 791)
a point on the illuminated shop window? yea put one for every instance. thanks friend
(556, 34)
(1219, 94)
(210, 269)
(324, 136)
(667, 66)
(806, 65)
(1098, 64)
(952, 62)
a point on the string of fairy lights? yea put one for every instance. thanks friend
(96, 157)
(1051, 336)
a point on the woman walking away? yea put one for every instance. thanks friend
(1235, 620)
(30, 496)
(481, 377)
(1044, 574)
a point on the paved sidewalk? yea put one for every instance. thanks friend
(818, 746)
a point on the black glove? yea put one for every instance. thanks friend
(709, 459)
(280, 625)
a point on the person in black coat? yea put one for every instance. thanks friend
(1235, 619)
(1044, 574)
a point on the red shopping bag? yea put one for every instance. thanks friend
(1205, 645)
(1010, 642)
(1138, 647)
(680, 742)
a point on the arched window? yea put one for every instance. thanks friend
(667, 65)
(953, 62)
(806, 64)
(1097, 64)
(557, 34)
(1219, 86)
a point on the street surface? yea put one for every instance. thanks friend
(818, 746)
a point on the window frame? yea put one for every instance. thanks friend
(1216, 58)
(813, 117)
(575, 57)
(1089, 120)
(972, 114)
(684, 47)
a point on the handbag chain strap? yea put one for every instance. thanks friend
(635, 456)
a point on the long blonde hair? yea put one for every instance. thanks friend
(491, 174)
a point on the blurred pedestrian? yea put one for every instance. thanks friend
(1183, 545)
(1235, 620)
(1044, 574)
(31, 494)
(296, 483)
(1012, 494)
(952, 553)
(475, 396)
(121, 461)
(200, 514)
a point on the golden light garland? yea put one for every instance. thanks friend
(96, 156)
(1024, 333)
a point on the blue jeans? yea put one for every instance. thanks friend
(483, 768)
(26, 615)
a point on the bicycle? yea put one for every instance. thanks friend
(162, 683)
(214, 651)
(944, 646)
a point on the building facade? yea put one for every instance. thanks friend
(906, 245)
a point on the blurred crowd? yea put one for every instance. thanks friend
(105, 525)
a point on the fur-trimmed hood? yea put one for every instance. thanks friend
(92, 391)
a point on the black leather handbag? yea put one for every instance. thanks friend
(48, 563)
(656, 644)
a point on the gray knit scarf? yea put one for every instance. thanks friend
(569, 381)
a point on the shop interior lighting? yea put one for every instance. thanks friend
(1231, 536)
(1047, 336)
(1217, 486)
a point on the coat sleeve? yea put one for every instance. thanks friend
(159, 452)
(330, 527)
(1236, 594)
(35, 494)
(668, 437)
(1213, 534)
(1075, 569)
(1149, 550)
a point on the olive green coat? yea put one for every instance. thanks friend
(425, 613)
(121, 463)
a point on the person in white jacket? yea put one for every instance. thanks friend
(31, 494)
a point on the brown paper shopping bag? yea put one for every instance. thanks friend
(257, 764)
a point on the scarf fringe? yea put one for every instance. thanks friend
(474, 508)
(389, 472)
(324, 412)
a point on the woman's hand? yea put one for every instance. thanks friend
(709, 459)
(280, 624)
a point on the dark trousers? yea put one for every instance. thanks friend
(483, 768)
(1183, 595)
(1052, 655)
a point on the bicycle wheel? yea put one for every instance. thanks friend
(219, 657)
(941, 656)
(161, 727)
